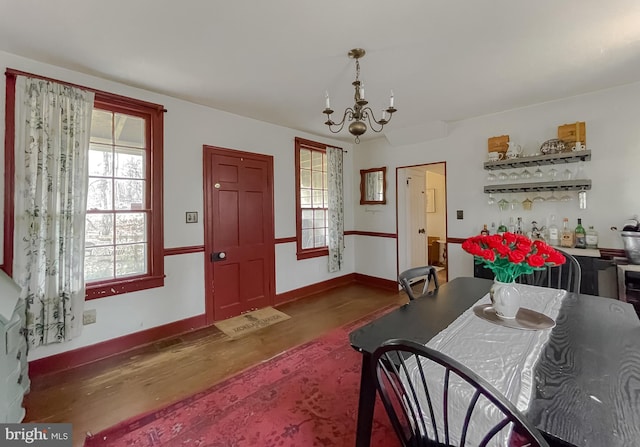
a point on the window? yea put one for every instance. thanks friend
(312, 199)
(123, 233)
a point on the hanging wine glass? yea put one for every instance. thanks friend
(491, 177)
(552, 197)
(538, 173)
(525, 175)
(491, 200)
(503, 176)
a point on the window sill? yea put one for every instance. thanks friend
(313, 253)
(111, 288)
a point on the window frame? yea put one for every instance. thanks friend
(154, 121)
(305, 253)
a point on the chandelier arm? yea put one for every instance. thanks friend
(348, 112)
(368, 114)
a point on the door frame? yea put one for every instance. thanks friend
(207, 180)
(401, 209)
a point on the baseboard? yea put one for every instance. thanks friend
(91, 353)
(386, 284)
(87, 354)
(296, 294)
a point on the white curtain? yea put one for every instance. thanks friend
(53, 124)
(336, 208)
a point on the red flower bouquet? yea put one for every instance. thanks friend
(511, 255)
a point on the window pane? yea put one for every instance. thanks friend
(129, 163)
(98, 263)
(129, 130)
(99, 230)
(320, 236)
(317, 179)
(307, 238)
(131, 227)
(131, 259)
(129, 194)
(305, 178)
(305, 198)
(305, 159)
(99, 194)
(317, 199)
(307, 218)
(319, 218)
(101, 127)
(316, 162)
(100, 160)
(326, 198)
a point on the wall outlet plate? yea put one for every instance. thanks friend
(89, 316)
(459, 214)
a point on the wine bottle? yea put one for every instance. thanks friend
(581, 235)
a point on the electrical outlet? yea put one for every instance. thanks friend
(459, 214)
(89, 317)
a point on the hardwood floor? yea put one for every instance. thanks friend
(96, 396)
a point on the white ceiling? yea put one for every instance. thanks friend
(273, 60)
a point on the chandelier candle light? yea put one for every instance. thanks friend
(359, 113)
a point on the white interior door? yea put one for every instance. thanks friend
(416, 216)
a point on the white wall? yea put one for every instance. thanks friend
(187, 128)
(612, 119)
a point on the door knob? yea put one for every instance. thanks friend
(218, 256)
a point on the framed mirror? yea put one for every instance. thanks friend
(373, 186)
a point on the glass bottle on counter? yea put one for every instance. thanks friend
(568, 235)
(502, 228)
(554, 233)
(581, 235)
(592, 238)
(484, 231)
(519, 228)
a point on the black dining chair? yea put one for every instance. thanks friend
(420, 408)
(416, 274)
(567, 276)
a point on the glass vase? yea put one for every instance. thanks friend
(505, 299)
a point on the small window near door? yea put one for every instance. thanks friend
(311, 199)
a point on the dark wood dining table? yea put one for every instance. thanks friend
(587, 379)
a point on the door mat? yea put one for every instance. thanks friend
(252, 321)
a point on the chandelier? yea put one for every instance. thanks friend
(359, 113)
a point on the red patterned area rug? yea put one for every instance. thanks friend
(307, 396)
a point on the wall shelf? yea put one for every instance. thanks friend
(540, 160)
(563, 185)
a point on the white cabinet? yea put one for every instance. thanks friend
(14, 378)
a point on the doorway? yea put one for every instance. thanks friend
(238, 232)
(422, 217)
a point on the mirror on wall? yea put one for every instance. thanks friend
(373, 185)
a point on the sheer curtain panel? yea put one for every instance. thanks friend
(52, 131)
(336, 208)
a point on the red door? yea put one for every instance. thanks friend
(239, 232)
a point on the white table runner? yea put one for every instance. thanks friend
(503, 356)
